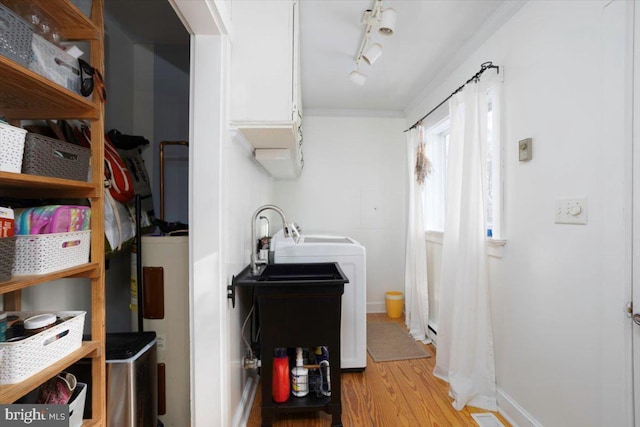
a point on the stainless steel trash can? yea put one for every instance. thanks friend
(132, 389)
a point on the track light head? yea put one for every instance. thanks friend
(357, 77)
(372, 54)
(388, 20)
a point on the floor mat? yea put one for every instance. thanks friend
(388, 341)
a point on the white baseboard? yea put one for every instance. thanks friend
(513, 412)
(241, 417)
(376, 307)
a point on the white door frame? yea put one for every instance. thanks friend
(209, 340)
(634, 17)
(621, 210)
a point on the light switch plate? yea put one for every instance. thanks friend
(525, 149)
(571, 210)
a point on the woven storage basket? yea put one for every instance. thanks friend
(22, 359)
(44, 253)
(11, 148)
(50, 157)
(15, 36)
(51, 62)
(7, 256)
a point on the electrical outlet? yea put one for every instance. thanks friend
(160, 342)
(571, 211)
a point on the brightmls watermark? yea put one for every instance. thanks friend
(34, 415)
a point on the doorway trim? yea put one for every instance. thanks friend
(208, 322)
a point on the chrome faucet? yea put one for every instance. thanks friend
(266, 219)
(254, 254)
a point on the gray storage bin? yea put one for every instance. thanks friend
(51, 157)
(7, 256)
(15, 36)
(55, 64)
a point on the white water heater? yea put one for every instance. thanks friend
(165, 272)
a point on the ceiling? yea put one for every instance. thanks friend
(429, 36)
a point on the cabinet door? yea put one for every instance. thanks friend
(262, 61)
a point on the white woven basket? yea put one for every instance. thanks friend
(24, 358)
(11, 148)
(44, 253)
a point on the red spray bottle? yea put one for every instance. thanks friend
(280, 387)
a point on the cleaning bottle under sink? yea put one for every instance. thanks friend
(322, 359)
(299, 376)
(280, 381)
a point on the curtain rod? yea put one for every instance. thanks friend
(484, 67)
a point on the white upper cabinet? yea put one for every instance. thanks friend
(265, 81)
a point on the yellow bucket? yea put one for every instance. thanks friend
(394, 301)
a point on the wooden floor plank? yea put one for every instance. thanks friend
(388, 394)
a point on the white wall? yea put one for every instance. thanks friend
(558, 293)
(353, 184)
(118, 74)
(247, 187)
(171, 123)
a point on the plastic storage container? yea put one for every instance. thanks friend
(15, 36)
(76, 405)
(26, 357)
(7, 257)
(55, 64)
(11, 148)
(46, 156)
(44, 253)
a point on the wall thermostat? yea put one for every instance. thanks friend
(524, 149)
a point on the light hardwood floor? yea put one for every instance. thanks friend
(387, 394)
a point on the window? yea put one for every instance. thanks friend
(436, 183)
(437, 146)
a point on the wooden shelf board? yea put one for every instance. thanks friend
(33, 186)
(27, 95)
(10, 393)
(88, 270)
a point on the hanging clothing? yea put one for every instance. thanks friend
(465, 355)
(415, 275)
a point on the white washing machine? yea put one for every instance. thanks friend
(351, 256)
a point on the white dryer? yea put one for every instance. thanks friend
(351, 256)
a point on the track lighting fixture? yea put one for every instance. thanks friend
(357, 77)
(388, 19)
(373, 53)
(385, 19)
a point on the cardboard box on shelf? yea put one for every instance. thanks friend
(7, 226)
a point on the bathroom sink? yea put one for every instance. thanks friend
(325, 273)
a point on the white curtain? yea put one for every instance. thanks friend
(465, 340)
(415, 273)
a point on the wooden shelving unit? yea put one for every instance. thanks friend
(25, 95)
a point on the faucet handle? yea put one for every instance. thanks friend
(295, 232)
